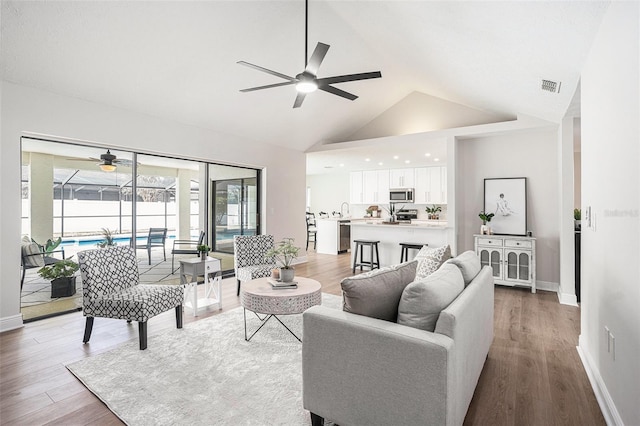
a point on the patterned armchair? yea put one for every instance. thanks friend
(111, 289)
(249, 257)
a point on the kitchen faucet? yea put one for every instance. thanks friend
(341, 206)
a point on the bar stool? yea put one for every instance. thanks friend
(404, 251)
(371, 263)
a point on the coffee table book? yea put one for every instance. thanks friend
(277, 284)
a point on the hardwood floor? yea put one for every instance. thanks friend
(533, 375)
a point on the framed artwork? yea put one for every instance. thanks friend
(507, 199)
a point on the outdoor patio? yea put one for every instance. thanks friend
(36, 298)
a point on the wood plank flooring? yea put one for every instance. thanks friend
(533, 375)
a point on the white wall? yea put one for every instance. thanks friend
(31, 110)
(531, 154)
(329, 191)
(610, 292)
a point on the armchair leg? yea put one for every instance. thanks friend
(149, 254)
(238, 287)
(173, 271)
(142, 331)
(316, 420)
(179, 316)
(87, 329)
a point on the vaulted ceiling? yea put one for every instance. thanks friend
(177, 59)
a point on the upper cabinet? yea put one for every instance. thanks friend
(401, 178)
(356, 194)
(375, 184)
(431, 185)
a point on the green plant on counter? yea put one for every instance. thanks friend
(485, 217)
(203, 248)
(60, 269)
(284, 252)
(577, 214)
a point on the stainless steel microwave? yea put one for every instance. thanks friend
(401, 195)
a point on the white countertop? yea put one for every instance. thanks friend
(438, 225)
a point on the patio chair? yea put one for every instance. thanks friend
(249, 257)
(111, 289)
(34, 256)
(156, 238)
(186, 247)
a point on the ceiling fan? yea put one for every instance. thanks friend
(307, 81)
(108, 161)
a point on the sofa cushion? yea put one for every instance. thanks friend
(377, 293)
(430, 259)
(469, 264)
(424, 299)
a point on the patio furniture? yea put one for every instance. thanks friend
(34, 256)
(186, 247)
(156, 238)
(249, 257)
(111, 289)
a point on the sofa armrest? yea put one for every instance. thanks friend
(361, 370)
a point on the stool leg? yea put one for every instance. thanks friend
(355, 258)
(371, 258)
(401, 254)
(361, 258)
(377, 257)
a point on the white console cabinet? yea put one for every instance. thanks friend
(512, 258)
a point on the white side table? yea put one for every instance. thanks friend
(189, 271)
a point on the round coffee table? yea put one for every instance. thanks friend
(260, 297)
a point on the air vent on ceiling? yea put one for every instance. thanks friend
(550, 86)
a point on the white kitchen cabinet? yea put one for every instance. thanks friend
(375, 184)
(513, 259)
(401, 178)
(356, 190)
(431, 185)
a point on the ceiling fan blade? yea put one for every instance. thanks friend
(316, 58)
(299, 100)
(349, 77)
(259, 68)
(338, 92)
(269, 86)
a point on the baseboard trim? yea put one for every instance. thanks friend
(608, 408)
(567, 299)
(11, 323)
(546, 286)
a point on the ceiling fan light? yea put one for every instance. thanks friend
(107, 167)
(306, 86)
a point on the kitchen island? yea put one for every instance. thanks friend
(333, 236)
(390, 237)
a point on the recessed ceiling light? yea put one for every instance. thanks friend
(407, 161)
(341, 164)
(427, 155)
(395, 157)
(367, 159)
(436, 159)
(380, 163)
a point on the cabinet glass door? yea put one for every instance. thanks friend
(518, 265)
(491, 258)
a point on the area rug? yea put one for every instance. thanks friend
(206, 374)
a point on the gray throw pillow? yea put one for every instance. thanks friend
(423, 300)
(32, 255)
(377, 293)
(469, 264)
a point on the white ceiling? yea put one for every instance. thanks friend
(177, 59)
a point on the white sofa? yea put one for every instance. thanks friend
(359, 370)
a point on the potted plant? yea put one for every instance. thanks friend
(392, 210)
(204, 251)
(108, 238)
(432, 212)
(284, 252)
(62, 277)
(577, 215)
(486, 218)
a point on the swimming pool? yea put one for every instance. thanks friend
(92, 241)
